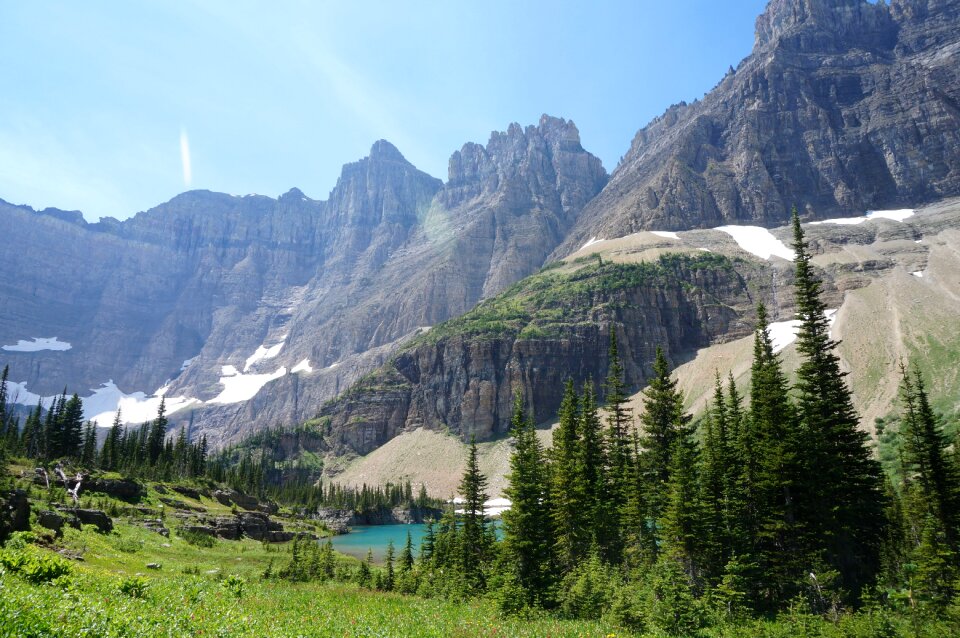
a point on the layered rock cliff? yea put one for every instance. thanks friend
(843, 106)
(463, 375)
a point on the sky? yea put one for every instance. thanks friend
(114, 107)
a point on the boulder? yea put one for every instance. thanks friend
(124, 489)
(90, 517)
(189, 492)
(232, 497)
(14, 514)
(257, 525)
(52, 521)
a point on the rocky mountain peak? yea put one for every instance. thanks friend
(384, 151)
(841, 23)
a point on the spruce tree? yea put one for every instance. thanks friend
(405, 563)
(926, 456)
(592, 461)
(840, 495)
(88, 456)
(389, 576)
(663, 424)
(157, 433)
(683, 531)
(619, 459)
(71, 428)
(473, 546)
(771, 450)
(568, 490)
(527, 529)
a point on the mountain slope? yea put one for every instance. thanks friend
(224, 294)
(843, 106)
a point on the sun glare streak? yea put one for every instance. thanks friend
(185, 158)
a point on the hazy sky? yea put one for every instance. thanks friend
(114, 107)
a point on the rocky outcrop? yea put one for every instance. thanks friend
(256, 525)
(843, 106)
(463, 375)
(78, 516)
(123, 489)
(14, 513)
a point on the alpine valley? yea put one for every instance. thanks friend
(770, 275)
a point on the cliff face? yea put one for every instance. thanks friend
(210, 278)
(535, 336)
(843, 106)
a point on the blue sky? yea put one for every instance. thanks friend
(104, 101)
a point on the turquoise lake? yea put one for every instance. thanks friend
(376, 537)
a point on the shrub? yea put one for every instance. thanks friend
(35, 565)
(128, 545)
(587, 591)
(234, 584)
(198, 539)
(135, 587)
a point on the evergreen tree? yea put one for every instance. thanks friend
(527, 530)
(405, 563)
(682, 521)
(771, 450)
(388, 576)
(88, 456)
(619, 460)
(157, 434)
(592, 463)
(841, 492)
(926, 456)
(70, 428)
(3, 393)
(32, 439)
(568, 491)
(663, 424)
(473, 546)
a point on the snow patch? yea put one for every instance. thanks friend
(263, 352)
(894, 215)
(243, 387)
(101, 406)
(669, 234)
(38, 343)
(137, 407)
(493, 507)
(758, 241)
(917, 273)
(229, 371)
(591, 242)
(783, 333)
(187, 362)
(303, 366)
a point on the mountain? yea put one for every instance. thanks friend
(250, 311)
(213, 296)
(889, 280)
(842, 106)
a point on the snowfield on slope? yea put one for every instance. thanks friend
(758, 241)
(38, 344)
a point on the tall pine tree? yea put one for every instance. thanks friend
(841, 492)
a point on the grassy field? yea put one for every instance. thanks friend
(135, 582)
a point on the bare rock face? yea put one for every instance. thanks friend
(843, 106)
(209, 277)
(537, 335)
